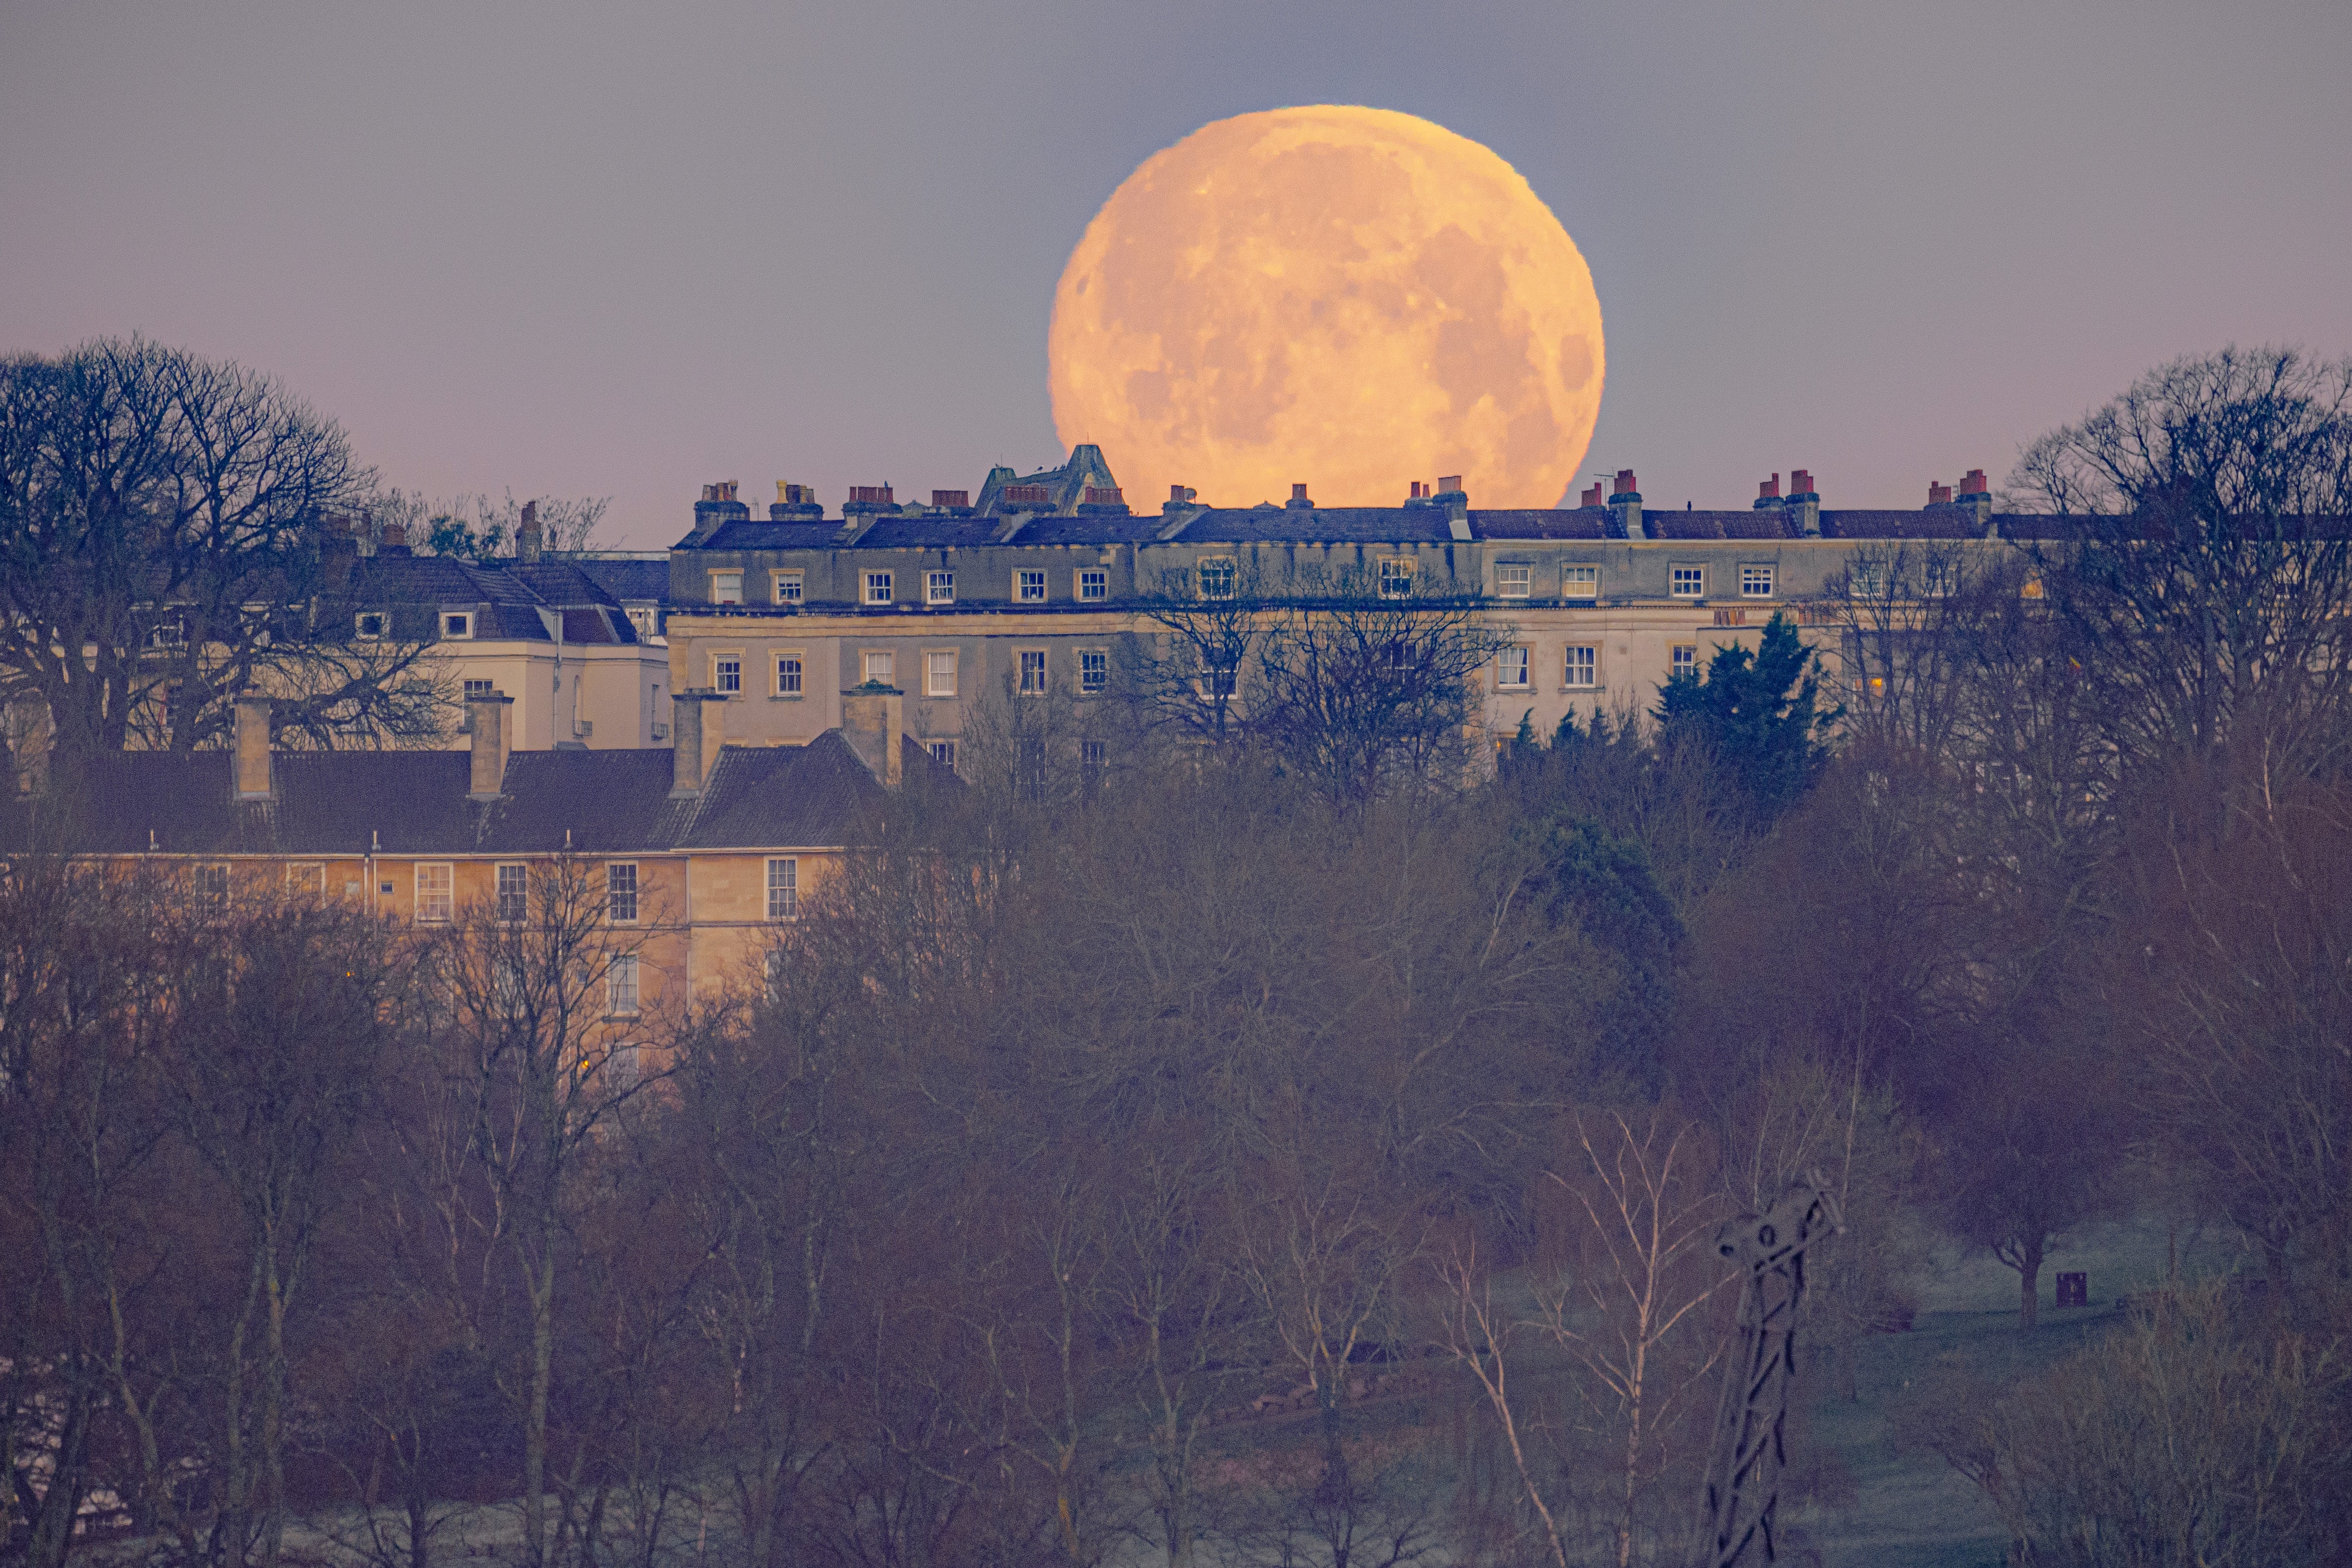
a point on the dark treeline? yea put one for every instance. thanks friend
(1218, 1153)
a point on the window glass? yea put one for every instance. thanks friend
(784, 889)
(1582, 664)
(1869, 581)
(457, 626)
(940, 587)
(726, 671)
(1513, 580)
(881, 667)
(212, 884)
(1094, 584)
(1094, 670)
(1579, 581)
(433, 892)
(1094, 753)
(1690, 582)
(1756, 582)
(788, 586)
(621, 984)
(1033, 671)
(788, 675)
(369, 625)
(877, 588)
(1217, 577)
(1031, 586)
(1396, 578)
(1683, 660)
(943, 752)
(308, 880)
(939, 673)
(514, 894)
(1513, 669)
(726, 588)
(621, 890)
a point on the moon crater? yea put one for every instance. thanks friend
(1350, 296)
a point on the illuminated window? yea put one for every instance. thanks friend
(621, 892)
(877, 588)
(939, 588)
(433, 892)
(1583, 667)
(1031, 586)
(1094, 584)
(1511, 669)
(1689, 582)
(1033, 671)
(1094, 670)
(881, 667)
(1580, 582)
(1683, 660)
(727, 672)
(726, 588)
(621, 984)
(784, 889)
(1217, 577)
(787, 586)
(1755, 582)
(939, 673)
(1396, 578)
(788, 675)
(514, 894)
(1515, 582)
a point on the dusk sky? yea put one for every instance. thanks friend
(624, 251)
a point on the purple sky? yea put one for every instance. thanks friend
(624, 251)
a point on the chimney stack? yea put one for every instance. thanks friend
(1299, 501)
(1806, 502)
(717, 508)
(527, 535)
(1589, 497)
(947, 499)
(873, 722)
(338, 551)
(1768, 493)
(396, 539)
(254, 778)
(485, 716)
(1625, 500)
(691, 749)
(1976, 494)
(1938, 495)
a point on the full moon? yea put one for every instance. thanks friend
(1345, 296)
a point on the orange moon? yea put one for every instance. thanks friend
(1348, 296)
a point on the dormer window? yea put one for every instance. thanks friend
(456, 623)
(368, 626)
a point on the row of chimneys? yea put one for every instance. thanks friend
(339, 538)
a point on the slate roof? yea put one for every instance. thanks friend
(628, 580)
(505, 596)
(340, 804)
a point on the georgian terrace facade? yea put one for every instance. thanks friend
(1034, 592)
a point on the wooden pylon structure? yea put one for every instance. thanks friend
(1743, 1472)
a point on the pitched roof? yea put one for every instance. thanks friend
(417, 803)
(506, 597)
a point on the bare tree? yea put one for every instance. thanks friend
(161, 521)
(281, 1012)
(543, 1018)
(2200, 553)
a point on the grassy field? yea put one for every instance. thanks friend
(1913, 1510)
